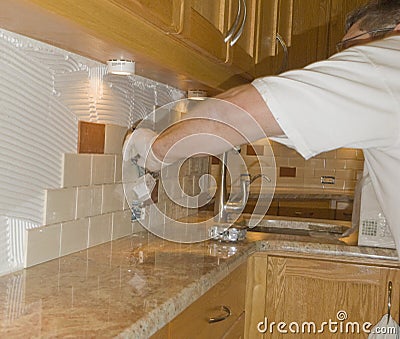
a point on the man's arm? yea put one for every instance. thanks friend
(222, 119)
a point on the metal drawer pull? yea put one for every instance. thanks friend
(240, 31)
(285, 60)
(235, 24)
(227, 314)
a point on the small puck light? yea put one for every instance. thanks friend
(197, 94)
(121, 67)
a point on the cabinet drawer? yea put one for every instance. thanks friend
(193, 322)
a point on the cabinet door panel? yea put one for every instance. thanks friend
(338, 13)
(205, 25)
(242, 54)
(166, 15)
(308, 290)
(309, 38)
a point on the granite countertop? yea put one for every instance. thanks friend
(133, 286)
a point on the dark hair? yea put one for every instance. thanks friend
(375, 14)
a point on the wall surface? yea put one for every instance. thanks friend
(44, 92)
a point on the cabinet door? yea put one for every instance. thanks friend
(193, 322)
(309, 36)
(242, 53)
(338, 13)
(166, 14)
(309, 291)
(273, 35)
(205, 26)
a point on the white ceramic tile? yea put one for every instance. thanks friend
(118, 168)
(113, 198)
(100, 229)
(60, 205)
(103, 169)
(74, 236)
(89, 199)
(84, 202)
(43, 244)
(97, 199)
(114, 139)
(122, 224)
(76, 170)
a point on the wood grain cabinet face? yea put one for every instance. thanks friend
(315, 291)
(205, 26)
(338, 13)
(193, 322)
(166, 14)
(309, 35)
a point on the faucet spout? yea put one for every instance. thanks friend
(222, 207)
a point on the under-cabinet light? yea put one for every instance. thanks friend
(197, 94)
(121, 67)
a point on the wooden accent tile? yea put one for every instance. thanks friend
(91, 137)
(215, 160)
(255, 150)
(288, 172)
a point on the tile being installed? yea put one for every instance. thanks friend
(74, 236)
(103, 169)
(43, 244)
(60, 205)
(76, 170)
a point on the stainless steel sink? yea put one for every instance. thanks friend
(291, 226)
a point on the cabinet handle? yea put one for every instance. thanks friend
(227, 314)
(235, 24)
(284, 64)
(240, 31)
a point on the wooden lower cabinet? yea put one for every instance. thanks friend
(307, 295)
(193, 321)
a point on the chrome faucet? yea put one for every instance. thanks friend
(222, 207)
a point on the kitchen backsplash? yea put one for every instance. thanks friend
(54, 201)
(328, 172)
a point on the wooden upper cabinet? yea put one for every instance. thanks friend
(166, 15)
(338, 13)
(256, 50)
(273, 36)
(205, 25)
(309, 38)
(243, 41)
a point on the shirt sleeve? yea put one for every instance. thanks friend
(340, 102)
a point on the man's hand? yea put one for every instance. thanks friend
(138, 146)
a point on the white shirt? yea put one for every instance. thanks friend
(350, 100)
